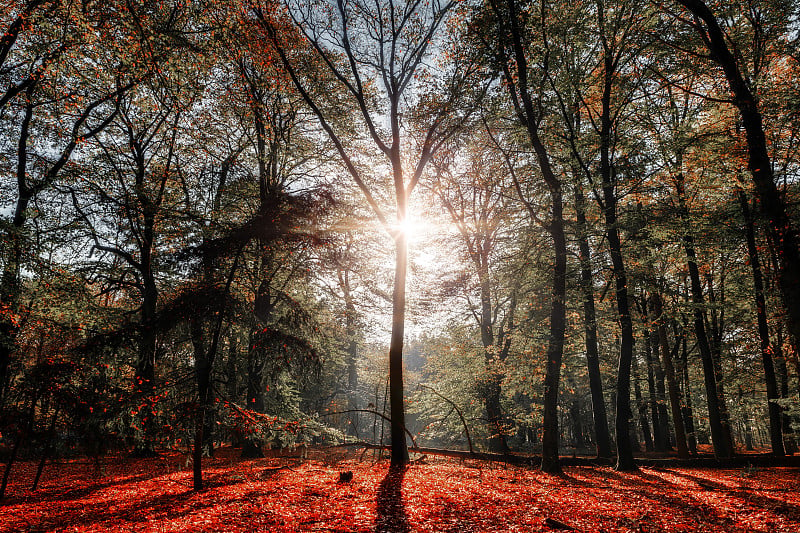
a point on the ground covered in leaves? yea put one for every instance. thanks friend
(437, 495)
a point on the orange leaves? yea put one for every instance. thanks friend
(280, 494)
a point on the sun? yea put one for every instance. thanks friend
(410, 228)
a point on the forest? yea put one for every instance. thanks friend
(523, 232)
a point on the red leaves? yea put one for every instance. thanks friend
(281, 494)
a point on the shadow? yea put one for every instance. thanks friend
(56, 493)
(391, 514)
(748, 495)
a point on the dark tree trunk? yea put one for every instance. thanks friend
(776, 436)
(578, 440)
(748, 426)
(396, 407)
(21, 435)
(145, 375)
(669, 372)
(9, 283)
(9, 290)
(608, 176)
(716, 329)
(641, 407)
(516, 74)
(655, 415)
(203, 377)
(47, 451)
(251, 447)
(555, 349)
(781, 230)
(721, 443)
(600, 417)
(494, 413)
(789, 443)
(688, 412)
(661, 390)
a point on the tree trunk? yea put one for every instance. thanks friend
(396, 407)
(776, 436)
(661, 391)
(494, 413)
(721, 443)
(715, 327)
(9, 291)
(602, 436)
(203, 377)
(608, 176)
(789, 443)
(145, 376)
(669, 371)
(48, 449)
(578, 440)
(555, 348)
(251, 447)
(655, 414)
(641, 407)
(688, 412)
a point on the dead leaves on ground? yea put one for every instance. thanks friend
(440, 495)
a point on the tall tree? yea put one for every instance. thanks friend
(477, 201)
(373, 56)
(512, 46)
(66, 105)
(723, 50)
(775, 426)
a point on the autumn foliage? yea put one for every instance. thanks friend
(284, 494)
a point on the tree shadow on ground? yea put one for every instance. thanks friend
(390, 511)
(749, 495)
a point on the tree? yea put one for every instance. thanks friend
(722, 50)
(477, 200)
(509, 43)
(49, 113)
(373, 52)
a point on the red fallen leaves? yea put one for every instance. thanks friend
(280, 494)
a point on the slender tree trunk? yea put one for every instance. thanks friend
(655, 415)
(9, 291)
(494, 413)
(669, 372)
(203, 377)
(251, 447)
(145, 376)
(9, 283)
(578, 440)
(688, 412)
(21, 435)
(776, 436)
(715, 327)
(721, 443)
(625, 459)
(782, 373)
(661, 390)
(516, 80)
(641, 407)
(590, 333)
(48, 449)
(555, 349)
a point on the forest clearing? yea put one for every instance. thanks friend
(286, 494)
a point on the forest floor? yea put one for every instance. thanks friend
(284, 494)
